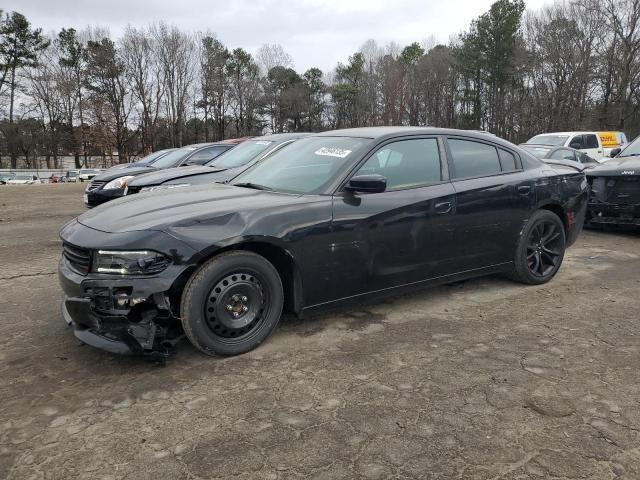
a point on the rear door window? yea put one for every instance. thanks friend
(473, 159)
(508, 161)
(590, 141)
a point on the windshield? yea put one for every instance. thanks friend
(72, 174)
(152, 157)
(174, 158)
(547, 139)
(539, 152)
(240, 155)
(631, 150)
(306, 166)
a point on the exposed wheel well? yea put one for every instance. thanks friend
(279, 258)
(559, 211)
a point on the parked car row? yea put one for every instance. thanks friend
(217, 252)
(113, 183)
(597, 145)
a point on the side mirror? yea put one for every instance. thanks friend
(367, 184)
(615, 152)
(576, 145)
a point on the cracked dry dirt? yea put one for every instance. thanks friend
(485, 379)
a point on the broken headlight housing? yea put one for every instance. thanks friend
(139, 262)
(118, 183)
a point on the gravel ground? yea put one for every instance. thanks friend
(484, 379)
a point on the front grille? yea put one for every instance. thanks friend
(95, 185)
(79, 258)
(617, 190)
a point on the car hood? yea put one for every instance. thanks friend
(617, 166)
(159, 177)
(121, 172)
(198, 206)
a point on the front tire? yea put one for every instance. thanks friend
(232, 303)
(540, 250)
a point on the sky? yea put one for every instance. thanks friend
(316, 33)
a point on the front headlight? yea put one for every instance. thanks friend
(120, 182)
(143, 262)
(164, 187)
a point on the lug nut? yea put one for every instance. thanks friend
(245, 308)
(229, 307)
(244, 299)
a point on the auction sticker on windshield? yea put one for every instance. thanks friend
(332, 152)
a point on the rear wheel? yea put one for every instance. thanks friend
(232, 303)
(540, 250)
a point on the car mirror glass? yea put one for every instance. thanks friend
(372, 183)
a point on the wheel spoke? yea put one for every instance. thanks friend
(551, 258)
(551, 236)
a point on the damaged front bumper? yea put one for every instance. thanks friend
(126, 316)
(123, 314)
(613, 214)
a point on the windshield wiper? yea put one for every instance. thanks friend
(630, 155)
(253, 185)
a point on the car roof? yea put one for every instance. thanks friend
(577, 132)
(378, 132)
(382, 133)
(283, 136)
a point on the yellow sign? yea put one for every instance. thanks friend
(609, 139)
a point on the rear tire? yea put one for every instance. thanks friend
(232, 303)
(540, 250)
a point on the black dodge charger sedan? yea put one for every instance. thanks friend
(112, 184)
(331, 217)
(615, 189)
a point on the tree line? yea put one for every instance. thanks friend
(514, 72)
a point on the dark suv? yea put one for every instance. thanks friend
(615, 189)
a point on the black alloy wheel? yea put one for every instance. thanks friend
(544, 248)
(232, 303)
(540, 249)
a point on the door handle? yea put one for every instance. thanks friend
(443, 207)
(524, 189)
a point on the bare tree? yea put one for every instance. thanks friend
(176, 57)
(144, 72)
(48, 86)
(270, 56)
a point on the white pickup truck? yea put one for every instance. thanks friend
(597, 145)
